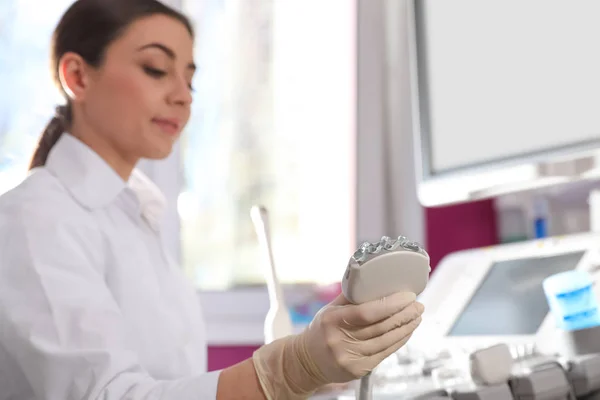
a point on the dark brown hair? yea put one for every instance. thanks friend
(87, 28)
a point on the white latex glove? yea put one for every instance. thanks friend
(344, 342)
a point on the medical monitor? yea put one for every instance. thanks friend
(500, 90)
(484, 296)
(510, 300)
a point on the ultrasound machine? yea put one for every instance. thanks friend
(487, 332)
(505, 98)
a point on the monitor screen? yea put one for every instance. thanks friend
(510, 299)
(509, 78)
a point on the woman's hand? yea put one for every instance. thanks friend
(344, 342)
(348, 341)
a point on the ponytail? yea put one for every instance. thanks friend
(53, 131)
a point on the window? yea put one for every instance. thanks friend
(28, 96)
(272, 124)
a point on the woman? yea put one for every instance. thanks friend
(90, 306)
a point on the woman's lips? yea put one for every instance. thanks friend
(169, 126)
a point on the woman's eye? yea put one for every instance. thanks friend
(155, 73)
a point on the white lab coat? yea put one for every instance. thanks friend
(90, 305)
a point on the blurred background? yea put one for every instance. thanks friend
(308, 107)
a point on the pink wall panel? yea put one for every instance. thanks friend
(223, 357)
(459, 227)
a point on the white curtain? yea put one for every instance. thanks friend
(387, 199)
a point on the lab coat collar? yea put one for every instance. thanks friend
(89, 179)
(94, 184)
(152, 201)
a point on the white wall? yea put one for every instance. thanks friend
(387, 200)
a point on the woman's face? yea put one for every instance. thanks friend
(139, 100)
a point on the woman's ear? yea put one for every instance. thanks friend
(73, 76)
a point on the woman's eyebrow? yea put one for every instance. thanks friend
(168, 51)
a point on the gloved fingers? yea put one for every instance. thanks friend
(397, 320)
(379, 357)
(390, 339)
(377, 310)
(341, 300)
